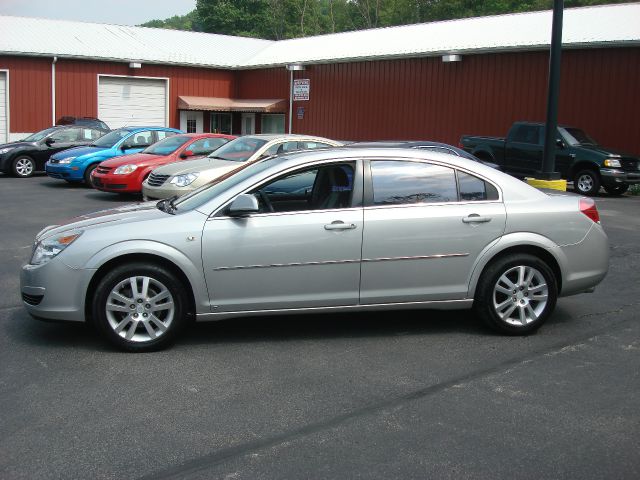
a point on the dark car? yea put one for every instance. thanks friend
(26, 156)
(83, 122)
(425, 145)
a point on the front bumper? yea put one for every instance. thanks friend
(64, 171)
(115, 183)
(55, 291)
(612, 176)
(167, 190)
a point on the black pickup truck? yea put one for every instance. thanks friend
(578, 157)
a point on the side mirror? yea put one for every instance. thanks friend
(187, 153)
(49, 141)
(559, 143)
(243, 205)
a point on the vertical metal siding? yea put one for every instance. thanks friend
(483, 94)
(29, 92)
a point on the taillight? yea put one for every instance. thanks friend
(588, 207)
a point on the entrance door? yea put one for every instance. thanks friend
(191, 122)
(248, 123)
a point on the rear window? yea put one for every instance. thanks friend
(475, 189)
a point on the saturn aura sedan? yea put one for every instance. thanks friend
(321, 231)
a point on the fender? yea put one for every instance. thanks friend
(516, 239)
(486, 150)
(193, 272)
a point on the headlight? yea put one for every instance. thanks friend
(125, 169)
(5, 150)
(612, 162)
(184, 180)
(45, 250)
(67, 160)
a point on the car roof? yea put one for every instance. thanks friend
(287, 136)
(135, 129)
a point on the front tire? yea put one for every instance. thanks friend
(87, 174)
(587, 182)
(23, 167)
(616, 190)
(140, 307)
(516, 294)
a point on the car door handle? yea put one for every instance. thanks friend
(475, 218)
(340, 225)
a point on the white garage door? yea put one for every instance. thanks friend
(3, 107)
(132, 101)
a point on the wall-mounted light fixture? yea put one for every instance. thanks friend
(135, 65)
(292, 67)
(451, 58)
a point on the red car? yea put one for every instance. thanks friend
(126, 173)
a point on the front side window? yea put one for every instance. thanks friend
(167, 146)
(91, 134)
(400, 182)
(475, 189)
(318, 188)
(206, 145)
(65, 136)
(111, 138)
(239, 149)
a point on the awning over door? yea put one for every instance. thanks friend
(216, 104)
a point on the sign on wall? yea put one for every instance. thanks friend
(301, 88)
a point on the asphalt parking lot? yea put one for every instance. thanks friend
(397, 395)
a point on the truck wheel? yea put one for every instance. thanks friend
(586, 182)
(616, 189)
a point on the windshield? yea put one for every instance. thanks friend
(167, 146)
(209, 191)
(575, 136)
(39, 135)
(110, 139)
(239, 150)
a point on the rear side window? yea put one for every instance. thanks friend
(531, 134)
(475, 189)
(161, 134)
(399, 182)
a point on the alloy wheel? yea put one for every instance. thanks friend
(585, 183)
(24, 167)
(520, 295)
(140, 309)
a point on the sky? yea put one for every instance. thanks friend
(120, 12)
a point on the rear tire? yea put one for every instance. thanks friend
(140, 307)
(616, 190)
(23, 167)
(87, 174)
(516, 294)
(587, 182)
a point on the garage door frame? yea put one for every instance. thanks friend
(6, 103)
(108, 75)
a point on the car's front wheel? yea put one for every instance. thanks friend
(516, 294)
(587, 182)
(23, 167)
(140, 307)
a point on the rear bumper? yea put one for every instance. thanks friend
(66, 171)
(612, 176)
(115, 183)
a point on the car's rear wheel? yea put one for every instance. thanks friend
(587, 182)
(87, 174)
(516, 294)
(140, 307)
(23, 167)
(616, 189)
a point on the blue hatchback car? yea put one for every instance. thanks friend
(76, 164)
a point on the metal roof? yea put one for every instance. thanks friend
(605, 25)
(44, 37)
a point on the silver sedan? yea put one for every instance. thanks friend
(325, 231)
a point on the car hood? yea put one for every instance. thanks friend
(119, 215)
(605, 151)
(199, 165)
(140, 159)
(78, 152)
(17, 144)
